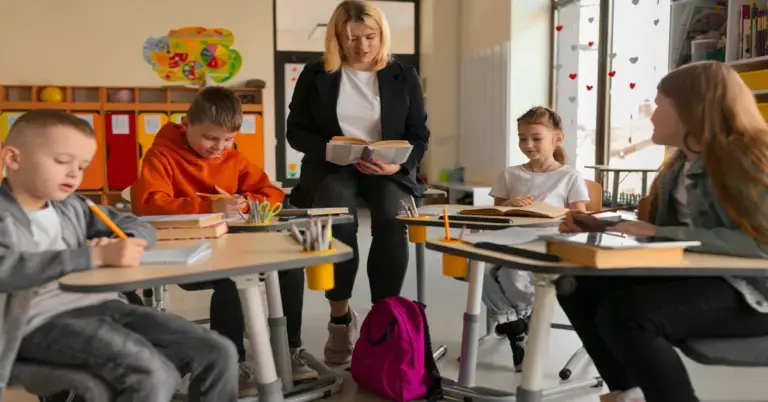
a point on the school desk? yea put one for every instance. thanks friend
(277, 225)
(242, 257)
(545, 275)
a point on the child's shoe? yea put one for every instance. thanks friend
(516, 332)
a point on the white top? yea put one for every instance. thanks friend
(559, 187)
(359, 105)
(680, 195)
(49, 300)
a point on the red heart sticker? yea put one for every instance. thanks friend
(559, 28)
(612, 74)
(632, 85)
(589, 87)
(572, 76)
(590, 43)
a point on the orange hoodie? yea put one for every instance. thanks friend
(172, 174)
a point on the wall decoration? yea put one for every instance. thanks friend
(190, 54)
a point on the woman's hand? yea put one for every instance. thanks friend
(518, 202)
(576, 222)
(634, 228)
(377, 168)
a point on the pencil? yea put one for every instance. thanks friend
(407, 210)
(447, 226)
(104, 218)
(413, 206)
(216, 196)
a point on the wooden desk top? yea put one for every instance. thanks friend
(233, 255)
(457, 223)
(696, 264)
(280, 225)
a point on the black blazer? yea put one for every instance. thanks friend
(312, 122)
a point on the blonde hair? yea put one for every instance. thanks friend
(720, 114)
(546, 117)
(349, 12)
(44, 119)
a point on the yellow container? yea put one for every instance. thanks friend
(755, 80)
(417, 233)
(320, 276)
(453, 265)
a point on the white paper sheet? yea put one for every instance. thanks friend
(120, 125)
(151, 124)
(249, 125)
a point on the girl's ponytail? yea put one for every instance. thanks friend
(560, 155)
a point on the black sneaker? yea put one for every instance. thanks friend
(518, 350)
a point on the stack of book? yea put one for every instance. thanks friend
(184, 227)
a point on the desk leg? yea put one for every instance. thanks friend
(278, 331)
(270, 386)
(471, 328)
(420, 272)
(531, 387)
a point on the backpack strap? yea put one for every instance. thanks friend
(435, 390)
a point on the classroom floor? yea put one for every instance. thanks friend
(446, 303)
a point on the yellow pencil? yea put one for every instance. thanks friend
(216, 196)
(447, 226)
(104, 218)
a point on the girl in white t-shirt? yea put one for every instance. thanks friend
(508, 293)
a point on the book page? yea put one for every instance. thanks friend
(541, 208)
(343, 153)
(394, 155)
(187, 255)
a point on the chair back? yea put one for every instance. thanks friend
(644, 209)
(595, 191)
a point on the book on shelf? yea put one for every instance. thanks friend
(615, 250)
(183, 221)
(185, 255)
(348, 150)
(536, 210)
(753, 30)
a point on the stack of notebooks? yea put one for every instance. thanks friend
(184, 227)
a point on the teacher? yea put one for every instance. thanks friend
(358, 90)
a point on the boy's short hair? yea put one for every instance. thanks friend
(42, 119)
(218, 106)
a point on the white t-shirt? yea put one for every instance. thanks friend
(49, 299)
(359, 105)
(681, 196)
(559, 187)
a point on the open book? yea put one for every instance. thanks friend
(348, 150)
(537, 210)
(187, 255)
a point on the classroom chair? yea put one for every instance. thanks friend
(45, 380)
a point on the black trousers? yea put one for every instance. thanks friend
(226, 312)
(629, 327)
(388, 256)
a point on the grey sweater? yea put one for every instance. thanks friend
(23, 268)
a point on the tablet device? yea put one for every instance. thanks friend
(618, 241)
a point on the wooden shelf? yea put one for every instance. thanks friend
(140, 109)
(752, 64)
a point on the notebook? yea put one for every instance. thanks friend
(617, 241)
(185, 233)
(183, 221)
(188, 255)
(537, 210)
(509, 237)
(313, 211)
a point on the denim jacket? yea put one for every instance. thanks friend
(712, 226)
(23, 268)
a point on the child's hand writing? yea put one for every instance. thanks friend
(519, 202)
(102, 241)
(229, 206)
(121, 253)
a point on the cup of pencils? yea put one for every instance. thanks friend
(416, 233)
(260, 212)
(453, 265)
(316, 238)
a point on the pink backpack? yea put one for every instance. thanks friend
(393, 356)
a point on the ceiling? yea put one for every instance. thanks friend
(304, 15)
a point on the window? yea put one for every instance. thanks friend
(639, 60)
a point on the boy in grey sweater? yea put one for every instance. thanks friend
(47, 232)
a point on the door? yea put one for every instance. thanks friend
(122, 158)
(93, 177)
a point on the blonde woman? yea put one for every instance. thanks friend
(712, 191)
(357, 90)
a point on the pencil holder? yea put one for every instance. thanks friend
(320, 276)
(453, 265)
(417, 233)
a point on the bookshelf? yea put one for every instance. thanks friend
(125, 120)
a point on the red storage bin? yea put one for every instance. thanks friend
(122, 156)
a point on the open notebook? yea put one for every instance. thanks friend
(187, 255)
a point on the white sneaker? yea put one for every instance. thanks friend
(631, 395)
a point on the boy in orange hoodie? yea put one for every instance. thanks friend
(197, 156)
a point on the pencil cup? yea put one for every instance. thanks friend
(320, 276)
(417, 233)
(453, 265)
